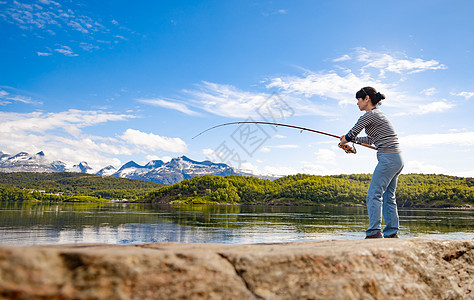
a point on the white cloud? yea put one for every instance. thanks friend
(298, 92)
(251, 168)
(61, 137)
(88, 46)
(316, 169)
(40, 122)
(325, 85)
(23, 99)
(154, 142)
(75, 25)
(467, 95)
(44, 54)
(229, 101)
(232, 159)
(65, 50)
(326, 156)
(469, 173)
(427, 140)
(429, 92)
(342, 58)
(52, 18)
(422, 168)
(208, 152)
(277, 12)
(342, 84)
(170, 105)
(438, 106)
(285, 146)
(155, 157)
(433, 107)
(278, 171)
(8, 98)
(314, 84)
(49, 14)
(266, 149)
(398, 64)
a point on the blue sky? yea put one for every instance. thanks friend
(110, 81)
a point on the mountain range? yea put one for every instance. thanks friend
(158, 171)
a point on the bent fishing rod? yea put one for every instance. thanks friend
(352, 150)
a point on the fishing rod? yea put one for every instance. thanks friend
(351, 150)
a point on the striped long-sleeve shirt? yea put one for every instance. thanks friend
(380, 132)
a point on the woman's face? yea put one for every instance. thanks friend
(364, 103)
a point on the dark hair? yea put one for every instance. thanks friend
(375, 97)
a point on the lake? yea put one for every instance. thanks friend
(31, 223)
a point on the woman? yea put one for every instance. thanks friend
(381, 193)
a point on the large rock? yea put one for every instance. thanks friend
(362, 269)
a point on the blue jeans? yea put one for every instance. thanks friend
(381, 194)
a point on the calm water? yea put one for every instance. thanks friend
(39, 223)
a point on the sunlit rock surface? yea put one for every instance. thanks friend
(346, 269)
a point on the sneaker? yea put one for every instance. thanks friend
(393, 236)
(378, 235)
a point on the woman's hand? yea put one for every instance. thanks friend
(343, 141)
(344, 146)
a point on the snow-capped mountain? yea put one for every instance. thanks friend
(24, 162)
(156, 170)
(82, 167)
(173, 171)
(3, 156)
(107, 171)
(59, 166)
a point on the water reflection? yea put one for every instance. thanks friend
(31, 223)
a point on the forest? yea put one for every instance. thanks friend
(414, 190)
(70, 187)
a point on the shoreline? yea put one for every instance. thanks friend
(466, 207)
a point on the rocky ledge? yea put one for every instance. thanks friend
(344, 269)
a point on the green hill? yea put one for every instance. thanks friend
(63, 186)
(414, 190)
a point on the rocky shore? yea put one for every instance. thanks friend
(343, 269)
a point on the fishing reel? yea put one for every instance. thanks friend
(348, 148)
